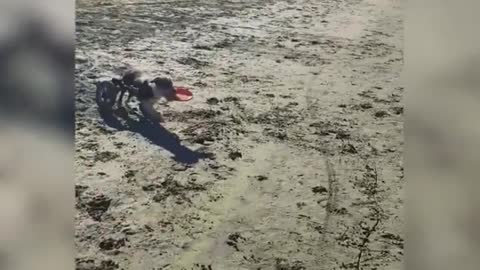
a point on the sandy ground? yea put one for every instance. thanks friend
(288, 157)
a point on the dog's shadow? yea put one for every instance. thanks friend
(155, 133)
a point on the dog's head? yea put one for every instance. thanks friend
(166, 86)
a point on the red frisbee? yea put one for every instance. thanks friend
(183, 94)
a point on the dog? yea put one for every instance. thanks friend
(148, 92)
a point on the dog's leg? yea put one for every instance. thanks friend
(120, 98)
(146, 107)
(131, 93)
(128, 100)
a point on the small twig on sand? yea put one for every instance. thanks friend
(365, 241)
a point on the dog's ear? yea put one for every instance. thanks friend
(156, 80)
(116, 81)
(163, 82)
